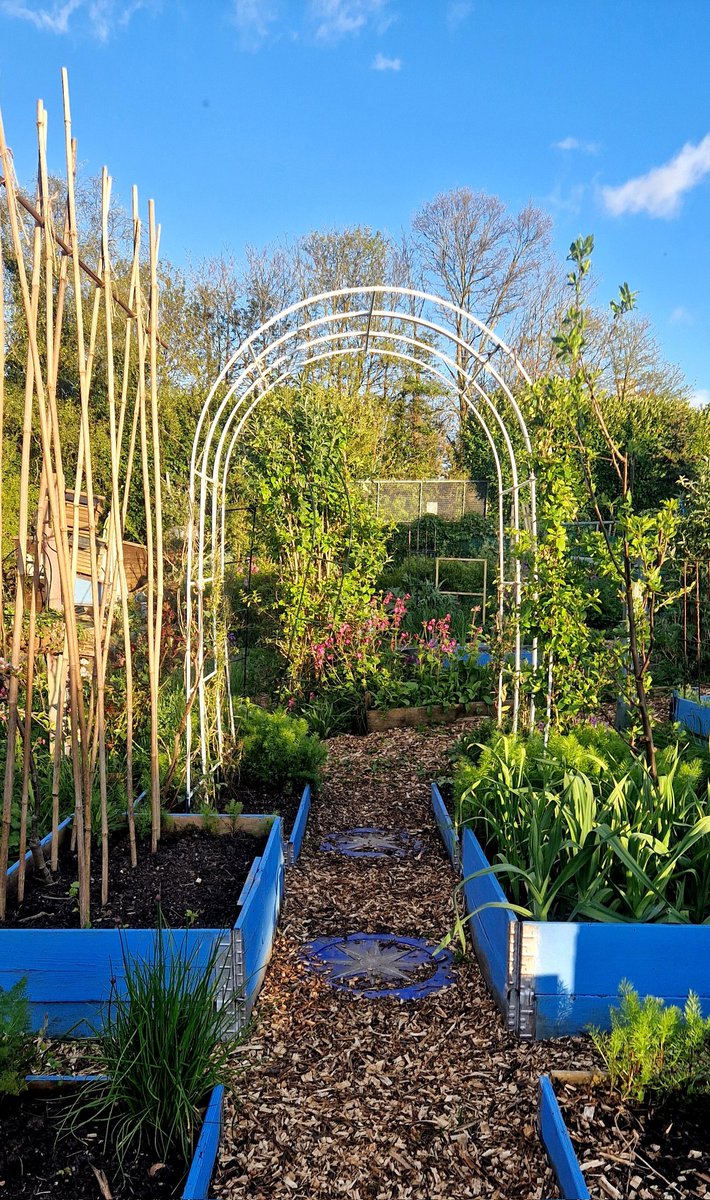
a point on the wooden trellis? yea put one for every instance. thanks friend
(68, 307)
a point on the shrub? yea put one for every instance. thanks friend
(17, 1047)
(277, 751)
(654, 1049)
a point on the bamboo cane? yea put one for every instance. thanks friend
(63, 560)
(84, 383)
(698, 647)
(31, 306)
(154, 235)
(150, 613)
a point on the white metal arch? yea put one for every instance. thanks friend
(249, 376)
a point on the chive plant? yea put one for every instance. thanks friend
(163, 1050)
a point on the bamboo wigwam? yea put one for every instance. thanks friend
(69, 313)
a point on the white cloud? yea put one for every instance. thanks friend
(103, 16)
(659, 192)
(700, 397)
(254, 19)
(382, 63)
(681, 316)
(573, 143)
(458, 11)
(335, 19)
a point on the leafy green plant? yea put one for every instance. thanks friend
(210, 819)
(654, 1049)
(580, 830)
(162, 1050)
(276, 750)
(17, 1046)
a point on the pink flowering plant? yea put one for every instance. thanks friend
(396, 668)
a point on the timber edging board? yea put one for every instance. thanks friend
(693, 716)
(558, 1144)
(555, 978)
(71, 973)
(293, 846)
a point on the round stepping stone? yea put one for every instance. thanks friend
(371, 843)
(377, 965)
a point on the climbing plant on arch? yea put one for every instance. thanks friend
(392, 323)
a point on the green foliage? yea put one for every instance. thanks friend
(276, 750)
(314, 521)
(210, 819)
(17, 1047)
(162, 1051)
(579, 829)
(654, 1050)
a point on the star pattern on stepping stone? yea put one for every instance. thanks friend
(380, 965)
(371, 961)
(371, 843)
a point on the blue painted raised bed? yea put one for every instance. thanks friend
(446, 826)
(70, 972)
(46, 844)
(554, 978)
(204, 1158)
(558, 1145)
(293, 847)
(695, 717)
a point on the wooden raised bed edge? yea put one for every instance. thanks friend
(558, 1144)
(295, 842)
(693, 716)
(555, 978)
(70, 973)
(202, 1166)
(433, 714)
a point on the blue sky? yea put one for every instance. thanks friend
(253, 120)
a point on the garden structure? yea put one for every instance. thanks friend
(377, 1062)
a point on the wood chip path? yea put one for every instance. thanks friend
(340, 1096)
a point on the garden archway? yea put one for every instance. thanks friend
(389, 323)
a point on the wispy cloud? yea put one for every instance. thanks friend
(681, 316)
(382, 63)
(660, 191)
(569, 201)
(573, 143)
(254, 20)
(458, 11)
(103, 17)
(336, 19)
(700, 397)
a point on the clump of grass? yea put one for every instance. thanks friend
(163, 1050)
(17, 1046)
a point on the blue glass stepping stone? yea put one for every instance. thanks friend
(371, 843)
(377, 965)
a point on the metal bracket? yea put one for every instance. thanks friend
(231, 982)
(522, 953)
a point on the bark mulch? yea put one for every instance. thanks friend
(638, 1152)
(343, 1096)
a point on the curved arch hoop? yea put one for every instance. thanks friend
(320, 329)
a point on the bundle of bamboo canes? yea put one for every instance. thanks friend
(56, 284)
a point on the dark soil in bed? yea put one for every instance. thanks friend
(36, 1160)
(257, 800)
(195, 877)
(637, 1151)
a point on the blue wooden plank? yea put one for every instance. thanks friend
(44, 843)
(249, 882)
(259, 916)
(205, 1157)
(558, 1145)
(299, 826)
(695, 717)
(70, 972)
(491, 927)
(577, 968)
(446, 826)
